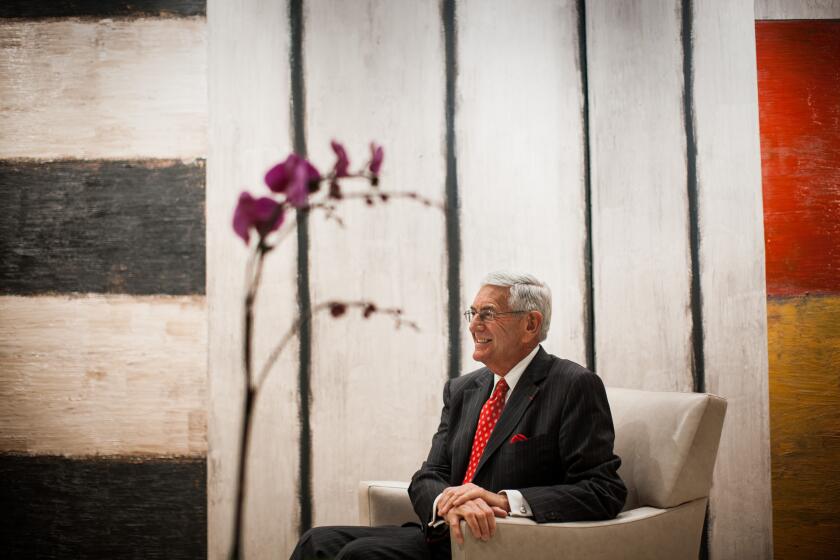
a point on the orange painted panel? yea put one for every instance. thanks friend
(799, 115)
(799, 109)
(804, 342)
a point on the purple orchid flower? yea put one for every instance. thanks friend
(263, 214)
(343, 162)
(377, 154)
(295, 177)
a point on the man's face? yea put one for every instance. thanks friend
(499, 344)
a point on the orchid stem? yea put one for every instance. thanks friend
(255, 268)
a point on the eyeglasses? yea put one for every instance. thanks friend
(487, 315)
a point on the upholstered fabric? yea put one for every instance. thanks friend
(641, 534)
(668, 443)
(384, 502)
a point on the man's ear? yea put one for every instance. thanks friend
(534, 323)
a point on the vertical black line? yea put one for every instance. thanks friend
(704, 538)
(453, 224)
(698, 356)
(589, 294)
(698, 369)
(298, 114)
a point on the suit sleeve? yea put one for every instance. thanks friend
(591, 488)
(434, 475)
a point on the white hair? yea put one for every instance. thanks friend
(527, 293)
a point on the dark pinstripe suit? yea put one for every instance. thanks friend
(566, 469)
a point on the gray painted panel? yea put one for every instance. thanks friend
(133, 227)
(520, 156)
(732, 274)
(56, 507)
(797, 9)
(639, 214)
(249, 131)
(374, 71)
(101, 8)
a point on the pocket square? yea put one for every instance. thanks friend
(519, 437)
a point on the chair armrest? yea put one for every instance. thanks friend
(643, 532)
(385, 502)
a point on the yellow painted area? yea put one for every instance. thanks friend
(804, 352)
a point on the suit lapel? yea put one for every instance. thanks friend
(519, 401)
(474, 399)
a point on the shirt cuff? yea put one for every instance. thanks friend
(436, 520)
(518, 505)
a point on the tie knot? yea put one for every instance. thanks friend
(501, 388)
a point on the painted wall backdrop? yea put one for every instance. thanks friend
(799, 93)
(608, 147)
(102, 279)
(611, 148)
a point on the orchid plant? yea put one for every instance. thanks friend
(295, 185)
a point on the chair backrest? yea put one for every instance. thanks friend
(667, 442)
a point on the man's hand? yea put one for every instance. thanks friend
(480, 518)
(455, 496)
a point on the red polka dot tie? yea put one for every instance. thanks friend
(490, 413)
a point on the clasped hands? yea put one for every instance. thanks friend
(475, 505)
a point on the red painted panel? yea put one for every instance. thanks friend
(799, 112)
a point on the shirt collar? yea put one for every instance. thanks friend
(512, 377)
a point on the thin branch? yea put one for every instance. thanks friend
(372, 195)
(250, 297)
(337, 308)
(278, 349)
(288, 228)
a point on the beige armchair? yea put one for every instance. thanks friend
(667, 443)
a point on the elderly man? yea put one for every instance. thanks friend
(528, 435)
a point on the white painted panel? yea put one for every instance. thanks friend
(375, 71)
(797, 9)
(104, 89)
(640, 217)
(103, 375)
(520, 156)
(249, 130)
(732, 273)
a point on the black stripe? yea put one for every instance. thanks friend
(704, 537)
(132, 227)
(698, 361)
(34, 9)
(56, 507)
(453, 220)
(698, 366)
(589, 296)
(298, 107)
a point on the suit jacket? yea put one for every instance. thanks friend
(565, 469)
